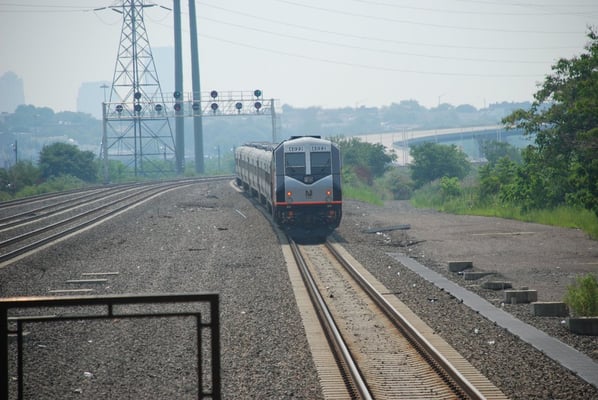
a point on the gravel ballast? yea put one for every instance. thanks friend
(209, 238)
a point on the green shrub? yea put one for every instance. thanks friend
(582, 297)
(450, 187)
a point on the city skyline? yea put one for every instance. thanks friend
(335, 54)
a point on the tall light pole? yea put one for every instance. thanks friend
(197, 120)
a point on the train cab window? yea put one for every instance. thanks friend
(320, 163)
(294, 164)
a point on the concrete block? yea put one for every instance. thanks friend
(474, 275)
(497, 285)
(520, 296)
(549, 309)
(458, 266)
(583, 325)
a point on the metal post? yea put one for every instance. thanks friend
(197, 119)
(215, 336)
(4, 379)
(105, 143)
(136, 121)
(179, 121)
(273, 113)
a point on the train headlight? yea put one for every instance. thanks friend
(289, 196)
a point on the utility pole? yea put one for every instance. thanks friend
(179, 122)
(197, 120)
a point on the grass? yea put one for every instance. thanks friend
(466, 204)
(365, 194)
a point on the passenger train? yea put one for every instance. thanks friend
(298, 181)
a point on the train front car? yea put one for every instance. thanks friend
(307, 187)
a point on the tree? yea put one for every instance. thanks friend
(20, 175)
(494, 151)
(432, 161)
(60, 159)
(563, 162)
(496, 176)
(366, 160)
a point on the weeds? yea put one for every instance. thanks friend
(582, 297)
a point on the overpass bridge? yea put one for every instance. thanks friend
(466, 138)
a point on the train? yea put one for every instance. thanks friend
(298, 181)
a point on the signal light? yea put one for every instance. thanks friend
(137, 95)
(214, 94)
(137, 107)
(177, 107)
(257, 93)
(119, 108)
(257, 105)
(176, 94)
(238, 106)
(158, 107)
(214, 106)
(195, 106)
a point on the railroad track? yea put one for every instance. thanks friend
(383, 350)
(28, 226)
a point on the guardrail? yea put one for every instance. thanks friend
(13, 325)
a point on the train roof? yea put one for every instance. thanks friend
(268, 146)
(261, 145)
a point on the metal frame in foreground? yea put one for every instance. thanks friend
(16, 303)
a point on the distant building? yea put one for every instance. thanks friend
(92, 94)
(164, 60)
(12, 94)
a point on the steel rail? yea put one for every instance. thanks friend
(353, 378)
(32, 215)
(46, 228)
(437, 361)
(155, 191)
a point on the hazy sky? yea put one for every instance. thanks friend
(329, 53)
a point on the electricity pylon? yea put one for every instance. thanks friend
(136, 127)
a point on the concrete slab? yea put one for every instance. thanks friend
(458, 266)
(583, 326)
(568, 357)
(549, 309)
(497, 285)
(519, 296)
(475, 275)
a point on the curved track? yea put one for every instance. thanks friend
(28, 225)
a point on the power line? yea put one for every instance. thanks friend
(371, 67)
(523, 4)
(381, 40)
(278, 34)
(407, 22)
(514, 13)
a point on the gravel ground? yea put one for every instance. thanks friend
(207, 238)
(546, 258)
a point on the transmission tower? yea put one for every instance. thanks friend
(136, 127)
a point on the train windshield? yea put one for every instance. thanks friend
(295, 165)
(320, 163)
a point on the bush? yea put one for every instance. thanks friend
(450, 187)
(582, 297)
